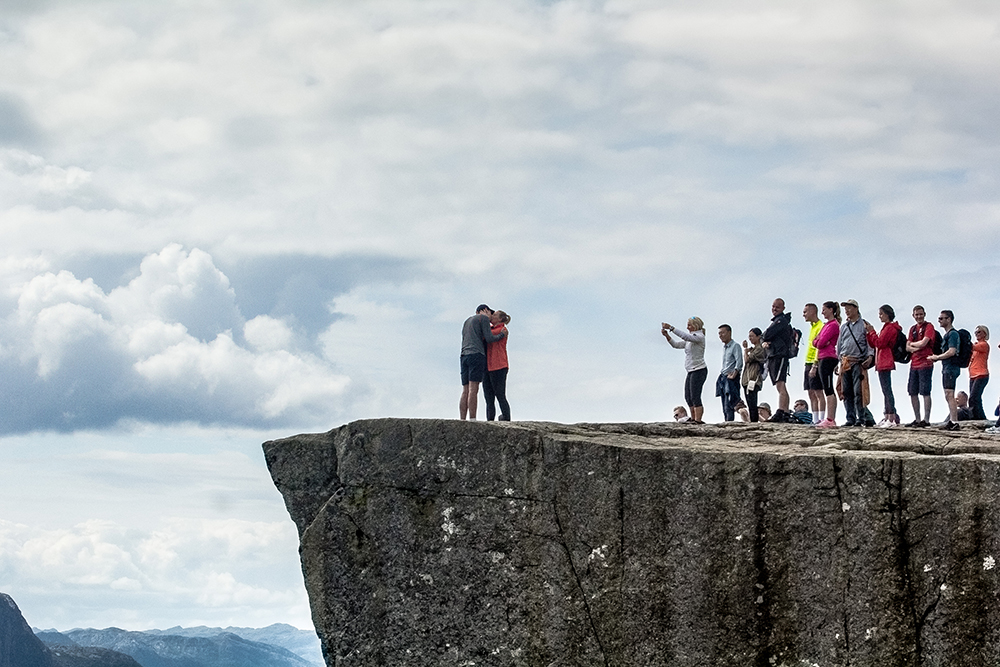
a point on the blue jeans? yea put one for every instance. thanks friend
(976, 387)
(729, 390)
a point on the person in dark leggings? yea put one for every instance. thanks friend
(883, 343)
(826, 353)
(692, 342)
(754, 358)
(979, 371)
(495, 384)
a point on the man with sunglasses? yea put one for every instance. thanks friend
(949, 366)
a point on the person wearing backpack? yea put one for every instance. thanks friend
(979, 371)
(884, 343)
(854, 352)
(950, 367)
(920, 345)
(778, 340)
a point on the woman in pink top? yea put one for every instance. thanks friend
(495, 382)
(826, 360)
(885, 364)
(979, 371)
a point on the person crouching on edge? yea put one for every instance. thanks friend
(693, 343)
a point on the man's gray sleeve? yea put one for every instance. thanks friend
(488, 333)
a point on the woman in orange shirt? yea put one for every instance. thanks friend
(495, 382)
(979, 371)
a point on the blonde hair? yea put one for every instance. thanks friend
(985, 330)
(698, 323)
(503, 317)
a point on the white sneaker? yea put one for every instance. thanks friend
(885, 423)
(993, 430)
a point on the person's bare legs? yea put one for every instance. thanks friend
(831, 407)
(949, 396)
(927, 408)
(697, 413)
(470, 400)
(816, 399)
(782, 396)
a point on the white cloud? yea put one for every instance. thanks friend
(212, 569)
(321, 193)
(160, 348)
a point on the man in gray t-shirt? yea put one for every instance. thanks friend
(475, 334)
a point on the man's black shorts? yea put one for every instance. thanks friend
(920, 381)
(812, 383)
(777, 369)
(473, 368)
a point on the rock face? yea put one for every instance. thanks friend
(450, 543)
(19, 647)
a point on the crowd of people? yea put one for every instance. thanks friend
(484, 362)
(840, 348)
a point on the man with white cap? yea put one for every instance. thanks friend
(854, 351)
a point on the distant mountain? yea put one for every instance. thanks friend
(53, 638)
(160, 650)
(19, 647)
(90, 656)
(303, 643)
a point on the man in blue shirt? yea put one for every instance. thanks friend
(949, 366)
(728, 384)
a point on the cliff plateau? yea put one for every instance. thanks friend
(437, 542)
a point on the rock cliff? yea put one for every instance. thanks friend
(19, 647)
(432, 542)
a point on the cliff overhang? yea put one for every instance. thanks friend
(437, 542)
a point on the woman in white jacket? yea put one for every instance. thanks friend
(692, 342)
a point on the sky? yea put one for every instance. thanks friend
(224, 222)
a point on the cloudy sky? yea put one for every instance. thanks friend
(225, 222)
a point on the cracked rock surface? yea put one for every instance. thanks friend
(439, 542)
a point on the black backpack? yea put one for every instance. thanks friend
(796, 337)
(964, 348)
(899, 353)
(936, 349)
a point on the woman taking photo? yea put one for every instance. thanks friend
(826, 358)
(979, 371)
(883, 342)
(495, 382)
(692, 342)
(753, 370)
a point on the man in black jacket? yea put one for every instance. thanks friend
(778, 343)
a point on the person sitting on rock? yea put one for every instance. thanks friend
(764, 411)
(964, 411)
(801, 413)
(681, 414)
